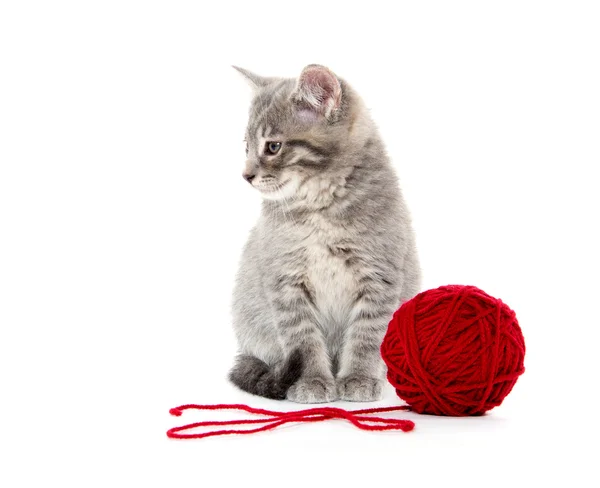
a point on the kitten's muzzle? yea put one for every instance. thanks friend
(249, 177)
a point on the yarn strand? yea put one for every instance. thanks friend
(271, 419)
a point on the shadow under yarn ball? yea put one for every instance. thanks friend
(453, 350)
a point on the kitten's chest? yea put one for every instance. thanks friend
(331, 279)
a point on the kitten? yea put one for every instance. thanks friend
(332, 255)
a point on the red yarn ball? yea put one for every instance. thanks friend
(453, 351)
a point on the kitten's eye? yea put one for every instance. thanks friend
(273, 147)
(246, 148)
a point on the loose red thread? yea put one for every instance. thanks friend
(272, 419)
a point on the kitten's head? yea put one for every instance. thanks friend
(298, 132)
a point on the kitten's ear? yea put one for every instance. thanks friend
(318, 92)
(253, 79)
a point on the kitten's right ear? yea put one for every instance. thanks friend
(318, 93)
(253, 79)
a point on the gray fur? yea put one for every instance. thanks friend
(333, 253)
(255, 376)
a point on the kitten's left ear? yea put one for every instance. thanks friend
(319, 91)
(255, 80)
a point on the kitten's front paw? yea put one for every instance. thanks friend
(354, 388)
(314, 389)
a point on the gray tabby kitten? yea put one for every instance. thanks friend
(332, 255)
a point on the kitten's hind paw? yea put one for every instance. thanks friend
(314, 389)
(354, 388)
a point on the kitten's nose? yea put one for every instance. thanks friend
(249, 177)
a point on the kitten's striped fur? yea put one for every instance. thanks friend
(332, 255)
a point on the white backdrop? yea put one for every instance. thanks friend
(123, 213)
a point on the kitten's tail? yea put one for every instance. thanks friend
(257, 377)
